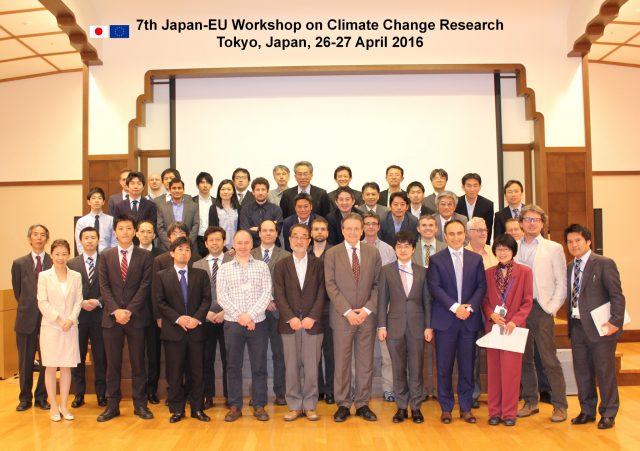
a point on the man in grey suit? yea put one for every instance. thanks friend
(592, 281)
(271, 254)
(351, 277)
(180, 208)
(371, 197)
(24, 279)
(116, 198)
(439, 179)
(446, 203)
(404, 321)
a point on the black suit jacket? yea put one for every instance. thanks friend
(335, 226)
(89, 290)
(319, 201)
(25, 290)
(133, 293)
(147, 209)
(499, 222)
(384, 197)
(248, 197)
(114, 199)
(289, 222)
(388, 232)
(357, 195)
(168, 300)
(483, 209)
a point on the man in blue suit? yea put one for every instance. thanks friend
(457, 285)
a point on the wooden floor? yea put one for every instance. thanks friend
(32, 430)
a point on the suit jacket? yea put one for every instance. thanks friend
(380, 210)
(424, 211)
(275, 256)
(343, 290)
(296, 302)
(204, 265)
(440, 232)
(133, 293)
(483, 209)
(90, 290)
(430, 202)
(387, 229)
(147, 209)
(600, 284)
(399, 312)
(114, 199)
(518, 301)
(289, 222)
(248, 197)
(499, 221)
(417, 255)
(214, 220)
(190, 216)
(168, 300)
(25, 289)
(160, 263)
(441, 278)
(53, 303)
(357, 195)
(335, 226)
(384, 197)
(319, 201)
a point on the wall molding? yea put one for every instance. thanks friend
(42, 183)
(615, 173)
(595, 28)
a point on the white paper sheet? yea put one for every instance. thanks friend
(514, 342)
(601, 316)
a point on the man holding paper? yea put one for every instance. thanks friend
(593, 281)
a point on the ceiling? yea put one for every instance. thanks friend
(620, 42)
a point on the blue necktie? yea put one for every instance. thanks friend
(457, 265)
(266, 257)
(183, 286)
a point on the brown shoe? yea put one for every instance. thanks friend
(260, 414)
(559, 415)
(292, 415)
(446, 418)
(312, 415)
(233, 414)
(468, 417)
(527, 410)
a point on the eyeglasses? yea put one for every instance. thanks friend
(531, 219)
(299, 237)
(480, 230)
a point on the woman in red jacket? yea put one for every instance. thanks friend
(507, 303)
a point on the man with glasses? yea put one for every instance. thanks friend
(303, 172)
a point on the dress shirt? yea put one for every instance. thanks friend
(460, 252)
(35, 262)
(147, 248)
(527, 255)
(244, 289)
(129, 252)
(107, 236)
(94, 257)
(443, 222)
(488, 259)
(301, 268)
(211, 262)
(397, 225)
(254, 213)
(432, 249)
(304, 221)
(583, 262)
(203, 210)
(350, 255)
(408, 273)
(519, 210)
(138, 200)
(304, 190)
(228, 220)
(387, 254)
(470, 207)
(186, 274)
(417, 212)
(178, 209)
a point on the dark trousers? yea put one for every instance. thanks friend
(277, 354)
(326, 365)
(113, 345)
(90, 330)
(27, 346)
(215, 337)
(184, 363)
(594, 360)
(407, 363)
(455, 344)
(153, 347)
(235, 338)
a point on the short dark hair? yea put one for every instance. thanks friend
(238, 170)
(173, 171)
(371, 214)
(395, 166)
(178, 225)
(505, 240)
(136, 175)
(95, 190)
(234, 199)
(299, 226)
(123, 218)
(61, 243)
(577, 228)
(415, 184)
(471, 176)
(204, 176)
(372, 185)
(179, 242)
(342, 168)
(406, 237)
(512, 182)
(400, 194)
(214, 229)
(146, 221)
(302, 196)
(345, 189)
(453, 221)
(260, 181)
(321, 220)
(439, 172)
(176, 180)
(88, 230)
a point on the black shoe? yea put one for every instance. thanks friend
(251, 402)
(108, 414)
(341, 414)
(42, 403)
(280, 401)
(400, 416)
(175, 417)
(509, 421)
(153, 398)
(78, 401)
(200, 415)
(475, 404)
(417, 416)
(22, 406)
(366, 413)
(320, 396)
(102, 400)
(143, 412)
(208, 403)
(606, 422)
(329, 399)
(494, 421)
(583, 418)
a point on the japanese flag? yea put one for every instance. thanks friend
(99, 31)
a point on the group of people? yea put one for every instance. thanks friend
(318, 277)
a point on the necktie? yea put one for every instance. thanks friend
(403, 276)
(38, 266)
(96, 224)
(214, 275)
(240, 197)
(183, 287)
(575, 290)
(134, 210)
(91, 269)
(457, 265)
(266, 257)
(427, 255)
(355, 265)
(516, 212)
(124, 266)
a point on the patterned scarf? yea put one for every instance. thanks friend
(503, 280)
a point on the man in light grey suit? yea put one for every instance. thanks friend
(439, 179)
(371, 196)
(351, 271)
(179, 208)
(271, 254)
(592, 281)
(404, 321)
(446, 203)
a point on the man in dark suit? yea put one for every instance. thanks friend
(300, 295)
(371, 199)
(404, 321)
(90, 319)
(136, 206)
(457, 285)
(415, 193)
(204, 200)
(351, 277)
(394, 176)
(179, 208)
(24, 280)
(182, 295)
(122, 195)
(343, 176)
(398, 220)
(592, 281)
(241, 179)
(345, 204)
(303, 214)
(473, 204)
(125, 280)
(303, 171)
(513, 193)
(271, 254)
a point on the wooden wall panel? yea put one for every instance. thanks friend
(105, 173)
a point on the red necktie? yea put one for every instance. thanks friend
(124, 266)
(38, 266)
(355, 265)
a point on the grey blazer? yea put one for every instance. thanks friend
(277, 254)
(417, 255)
(204, 264)
(440, 232)
(25, 289)
(190, 216)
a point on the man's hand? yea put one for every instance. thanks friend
(219, 317)
(462, 313)
(308, 323)
(193, 323)
(272, 307)
(611, 329)
(183, 322)
(122, 316)
(90, 304)
(295, 323)
(382, 334)
(428, 335)
(243, 319)
(251, 325)
(211, 317)
(159, 323)
(353, 318)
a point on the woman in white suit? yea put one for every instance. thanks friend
(60, 301)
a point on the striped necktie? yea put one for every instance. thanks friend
(266, 257)
(91, 272)
(575, 290)
(124, 265)
(214, 275)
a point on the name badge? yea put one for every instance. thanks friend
(500, 310)
(575, 313)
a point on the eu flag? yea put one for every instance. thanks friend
(119, 31)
